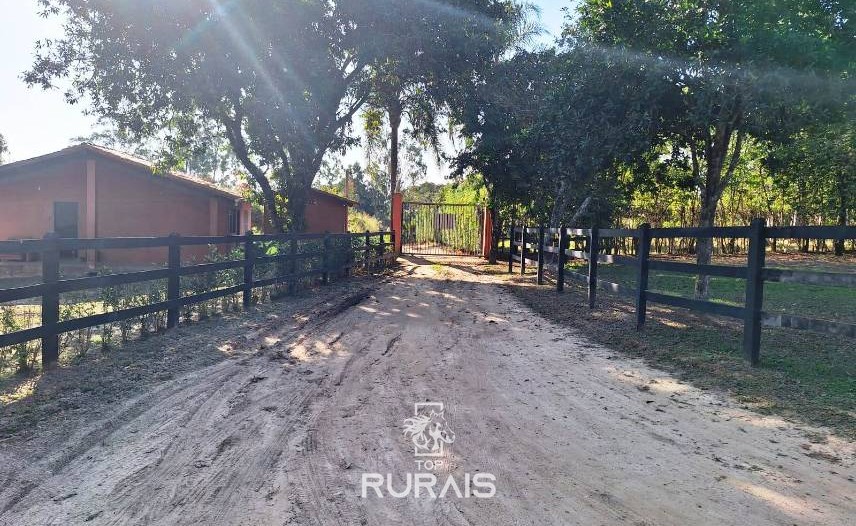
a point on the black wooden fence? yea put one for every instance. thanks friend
(531, 245)
(338, 255)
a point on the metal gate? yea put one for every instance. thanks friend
(441, 229)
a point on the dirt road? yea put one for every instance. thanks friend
(573, 433)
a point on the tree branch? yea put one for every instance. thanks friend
(239, 145)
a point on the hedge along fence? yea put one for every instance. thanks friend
(257, 261)
(587, 245)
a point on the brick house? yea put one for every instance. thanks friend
(88, 191)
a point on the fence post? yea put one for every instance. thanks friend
(563, 245)
(541, 254)
(754, 292)
(173, 286)
(249, 263)
(50, 301)
(593, 251)
(642, 282)
(523, 249)
(368, 252)
(392, 239)
(511, 248)
(349, 253)
(325, 260)
(379, 250)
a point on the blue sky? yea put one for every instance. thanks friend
(35, 122)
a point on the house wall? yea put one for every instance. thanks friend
(129, 202)
(132, 202)
(326, 215)
(27, 200)
(323, 214)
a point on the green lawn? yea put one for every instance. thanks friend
(813, 301)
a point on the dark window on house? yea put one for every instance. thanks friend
(66, 223)
(234, 222)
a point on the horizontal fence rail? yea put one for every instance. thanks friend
(530, 246)
(367, 251)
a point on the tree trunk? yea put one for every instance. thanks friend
(394, 111)
(297, 196)
(271, 212)
(236, 139)
(716, 154)
(704, 248)
(560, 204)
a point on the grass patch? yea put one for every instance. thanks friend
(812, 301)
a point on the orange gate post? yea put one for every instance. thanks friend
(397, 214)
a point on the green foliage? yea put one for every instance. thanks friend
(72, 306)
(808, 180)
(676, 113)
(426, 192)
(367, 188)
(425, 51)
(109, 298)
(470, 191)
(203, 152)
(729, 71)
(148, 66)
(359, 221)
(797, 33)
(446, 225)
(18, 358)
(816, 170)
(545, 133)
(201, 283)
(280, 80)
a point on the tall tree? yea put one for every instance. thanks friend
(421, 50)
(739, 68)
(546, 134)
(497, 117)
(282, 80)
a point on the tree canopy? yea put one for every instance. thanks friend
(658, 94)
(281, 80)
(657, 110)
(422, 52)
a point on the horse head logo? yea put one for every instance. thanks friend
(428, 429)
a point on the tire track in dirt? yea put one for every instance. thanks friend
(574, 433)
(197, 429)
(256, 441)
(564, 424)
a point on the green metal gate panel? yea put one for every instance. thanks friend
(441, 229)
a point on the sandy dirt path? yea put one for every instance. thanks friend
(573, 433)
